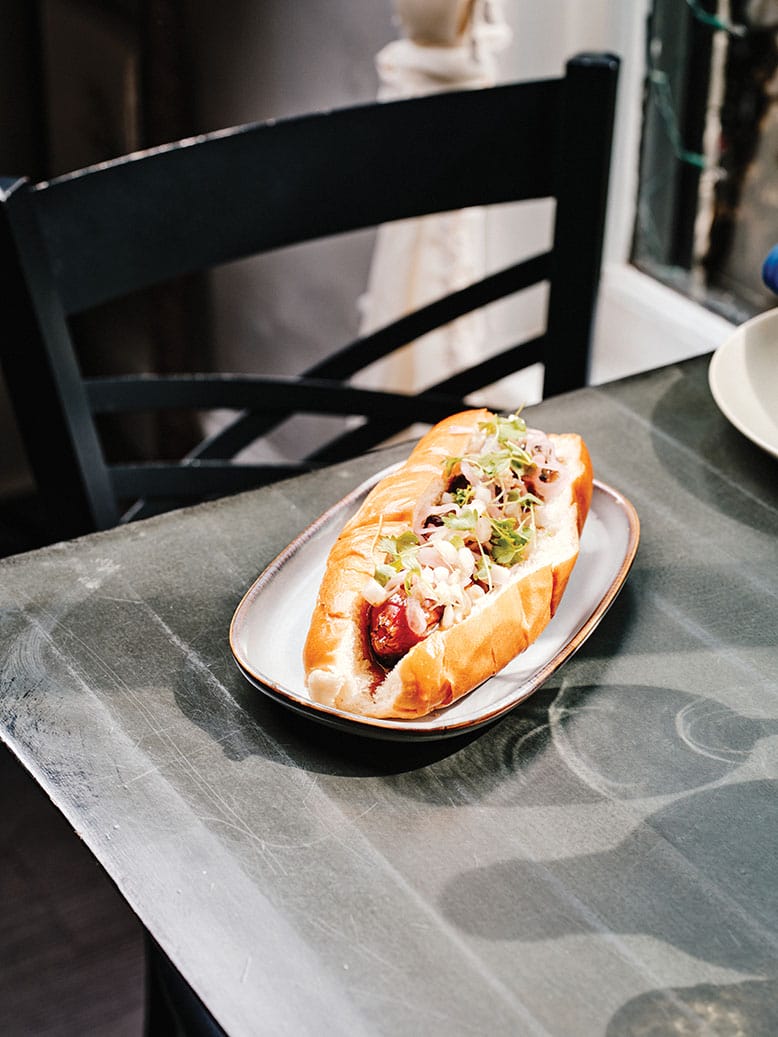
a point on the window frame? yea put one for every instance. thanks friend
(641, 323)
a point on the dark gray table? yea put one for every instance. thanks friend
(602, 861)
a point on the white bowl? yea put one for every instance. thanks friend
(743, 378)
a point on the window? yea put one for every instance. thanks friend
(707, 210)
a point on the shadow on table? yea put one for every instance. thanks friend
(287, 735)
(563, 745)
(682, 417)
(583, 744)
(318, 747)
(747, 1008)
(577, 744)
(698, 874)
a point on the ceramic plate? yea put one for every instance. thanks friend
(743, 378)
(271, 622)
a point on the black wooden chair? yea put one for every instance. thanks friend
(75, 242)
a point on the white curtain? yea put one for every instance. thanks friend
(446, 45)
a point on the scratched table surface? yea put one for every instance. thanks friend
(602, 861)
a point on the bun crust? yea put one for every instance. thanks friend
(341, 670)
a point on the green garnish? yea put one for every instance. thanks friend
(524, 500)
(505, 427)
(508, 536)
(481, 573)
(512, 457)
(497, 464)
(465, 521)
(507, 430)
(508, 541)
(401, 554)
(462, 495)
(383, 574)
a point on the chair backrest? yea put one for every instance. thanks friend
(72, 243)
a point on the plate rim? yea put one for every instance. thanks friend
(397, 728)
(730, 344)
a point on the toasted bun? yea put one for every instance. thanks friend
(340, 668)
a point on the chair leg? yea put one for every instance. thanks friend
(172, 1009)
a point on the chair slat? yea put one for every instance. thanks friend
(277, 394)
(197, 480)
(249, 426)
(260, 187)
(366, 350)
(365, 437)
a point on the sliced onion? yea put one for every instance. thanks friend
(447, 551)
(417, 620)
(440, 574)
(473, 474)
(538, 443)
(483, 530)
(373, 592)
(500, 575)
(441, 509)
(466, 560)
(394, 584)
(545, 490)
(429, 555)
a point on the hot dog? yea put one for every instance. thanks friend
(453, 565)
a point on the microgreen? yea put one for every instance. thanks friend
(505, 427)
(462, 495)
(401, 554)
(508, 541)
(465, 521)
(524, 500)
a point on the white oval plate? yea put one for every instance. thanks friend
(270, 624)
(743, 378)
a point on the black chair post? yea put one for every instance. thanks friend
(583, 161)
(47, 389)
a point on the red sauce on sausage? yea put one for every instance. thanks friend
(391, 635)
